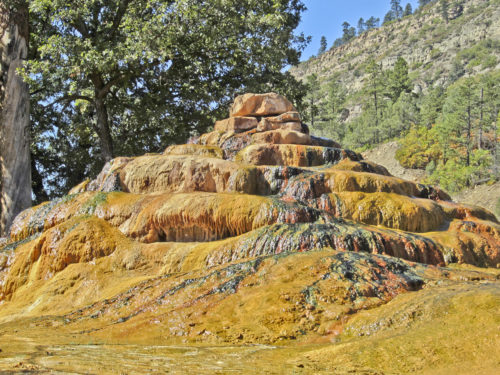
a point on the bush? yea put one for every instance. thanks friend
(418, 148)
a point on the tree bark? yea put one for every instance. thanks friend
(469, 129)
(15, 166)
(102, 127)
(480, 135)
(102, 122)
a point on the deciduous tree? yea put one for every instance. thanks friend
(152, 72)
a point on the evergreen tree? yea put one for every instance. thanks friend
(457, 70)
(361, 26)
(348, 32)
(423, 3)
(459, 114)
(312, 97)
(396, 9)
(489, 121)
(336, 97)
(431, 106)
(443, 5)
(375, 87)
(389, 16)
(398, 80)
(372, 23)
(323, 45)
(408, 10)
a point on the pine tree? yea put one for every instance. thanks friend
(408, 10)
(459, 114)
(396, 9)
(372, 23)
(389, 16)
(375, 87)
(490, 109)
(312, 97)
(423, 3)
(361, 26)
(323, 45)
(398, 80)
(431, 107)
(443, 5)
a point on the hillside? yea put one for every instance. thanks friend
(428, 43)
(428, 81)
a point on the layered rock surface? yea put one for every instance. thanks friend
(256, 232)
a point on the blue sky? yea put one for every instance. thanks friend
(325, 17)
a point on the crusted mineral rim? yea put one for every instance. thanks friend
(256, 232)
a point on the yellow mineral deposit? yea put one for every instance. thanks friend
(259, 234)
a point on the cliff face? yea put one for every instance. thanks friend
(425, 40)
(254, 233)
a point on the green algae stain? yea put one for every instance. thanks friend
(89, 207)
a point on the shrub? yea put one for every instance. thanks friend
(418, 148)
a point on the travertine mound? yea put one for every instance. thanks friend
(256, 232)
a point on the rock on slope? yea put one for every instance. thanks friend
(254, 233)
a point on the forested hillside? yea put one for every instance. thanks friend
(430, 78)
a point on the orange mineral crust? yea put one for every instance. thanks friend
(254, 234)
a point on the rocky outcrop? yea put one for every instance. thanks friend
(245, 235)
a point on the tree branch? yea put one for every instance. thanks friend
(122, 8)
(70, 98)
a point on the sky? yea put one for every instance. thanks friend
(325, 17)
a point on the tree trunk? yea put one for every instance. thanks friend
(469, 130)
(312, 111)
(14, 116)
(480, 135)
(102, 127)
(495, 146)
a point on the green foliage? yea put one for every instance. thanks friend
(408, 10)
(435, 53)
(127, 76)
(454, 175)
(312, 98)
(431, 106)
(443, 7)
(396, 9)
(482, 53)
(348, 33)
(419, 148)
(398, 80)
(323, 45)
(451, 151)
